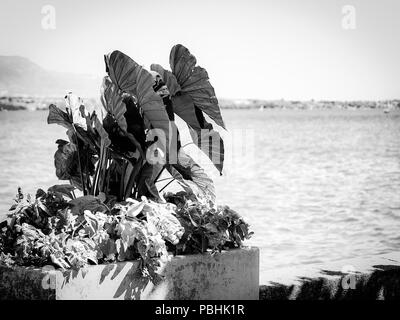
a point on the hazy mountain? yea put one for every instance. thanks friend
(20, 76)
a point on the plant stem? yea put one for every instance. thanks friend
(173, 179)
(79, 162)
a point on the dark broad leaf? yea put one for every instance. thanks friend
(85, 137)
(64, 189)
(168, 77)
(194, 81)
(112, 102)
(190, 170)
(182, 63)
(66, 160)
(59, 117)
(123, 142)
(134, 120)
(133, 79)
(202, 132)
(93, 204)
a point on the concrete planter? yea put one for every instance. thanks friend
(228, 275)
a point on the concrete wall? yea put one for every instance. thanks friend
(228, 275)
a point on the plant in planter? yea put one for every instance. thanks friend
(115, 157)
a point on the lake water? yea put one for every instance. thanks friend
(316, 185)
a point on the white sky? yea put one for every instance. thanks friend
(251, 49)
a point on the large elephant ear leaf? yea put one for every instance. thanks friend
(194, 81)
(191, 171)
(132, 78)
(112, 102)
(182, 63)
(202, 132)
(168, 77)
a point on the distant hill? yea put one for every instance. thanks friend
(26, 85)
(20, 76)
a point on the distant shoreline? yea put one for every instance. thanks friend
(309, 105)
(17, 103)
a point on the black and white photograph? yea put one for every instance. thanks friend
(211, 151)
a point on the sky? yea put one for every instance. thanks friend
(286, 49)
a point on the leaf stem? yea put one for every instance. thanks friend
(79, 162)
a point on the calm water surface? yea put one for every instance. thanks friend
(316, 186)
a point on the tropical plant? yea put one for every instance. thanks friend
(115, 157)
(123, 151)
